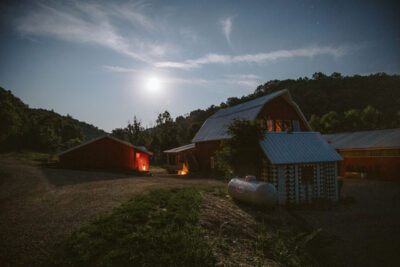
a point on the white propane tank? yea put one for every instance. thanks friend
(253, 191)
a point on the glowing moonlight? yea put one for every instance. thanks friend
(153, 85)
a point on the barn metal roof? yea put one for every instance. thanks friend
(297, 147)
(366, 139)
(180, 149)
(216, 126)
(140, 148)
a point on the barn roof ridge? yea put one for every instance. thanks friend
(105, 136)
(248, 104)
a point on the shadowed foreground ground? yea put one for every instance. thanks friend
(39, 205)
(365, 232)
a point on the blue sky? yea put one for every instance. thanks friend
(94, 60)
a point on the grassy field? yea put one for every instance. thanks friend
(155, 228)
(161, 228)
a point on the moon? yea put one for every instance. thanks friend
(153, 84)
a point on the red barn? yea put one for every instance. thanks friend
(372, 153)
(106, 152)
(276, 112)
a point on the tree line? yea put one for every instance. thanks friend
(24, 128)
(332, 103)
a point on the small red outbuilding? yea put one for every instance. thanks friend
(105, 152)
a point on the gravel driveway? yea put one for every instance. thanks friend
(39, 205)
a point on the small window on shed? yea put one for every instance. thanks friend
(212, 163)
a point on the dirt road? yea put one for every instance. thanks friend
(367, 231)
(39, 205)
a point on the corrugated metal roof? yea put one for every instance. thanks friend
(216, 126)
(140, 148)
(180, 149)
(297, 147)
(366, 139)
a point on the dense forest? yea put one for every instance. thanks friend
(24, 128)
(332, 103)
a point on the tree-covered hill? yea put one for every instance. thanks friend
(332, 104)
(22, 127)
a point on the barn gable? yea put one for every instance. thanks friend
(215, 127)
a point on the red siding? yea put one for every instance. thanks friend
(277, 108)
(385, 167)
(104, 153)
(204, 152)
(280, 109)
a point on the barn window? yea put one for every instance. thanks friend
(296, 126)
(212, 163)
(270, 125)
(278, 126)
(287, 124)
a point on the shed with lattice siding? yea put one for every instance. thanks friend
(301, 165)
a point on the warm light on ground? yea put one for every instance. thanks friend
(153, 84)
(184, 170)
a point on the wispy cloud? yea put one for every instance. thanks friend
(253, 58)
(91, 23)
(227, 28)
(249, 80)
(118, 69)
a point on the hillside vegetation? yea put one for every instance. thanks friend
(331, 103)
(24, 128)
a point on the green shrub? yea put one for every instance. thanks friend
(156, 228)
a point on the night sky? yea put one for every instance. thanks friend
(105, 61)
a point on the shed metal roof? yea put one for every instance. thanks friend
(216, 126)
(140, 148)
(365, 139)
(297, 147)
(180, 149)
